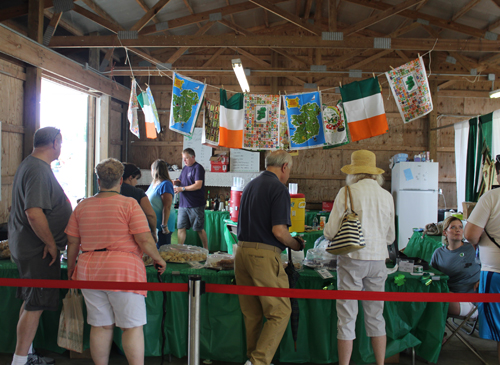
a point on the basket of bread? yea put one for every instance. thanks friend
(183, 253)
(4, 250)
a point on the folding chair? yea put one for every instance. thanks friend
(455, 328)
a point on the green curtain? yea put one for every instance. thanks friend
(480, 138)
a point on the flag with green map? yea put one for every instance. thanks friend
(187, 96)
(305, 120)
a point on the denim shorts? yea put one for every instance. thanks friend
(191, 218)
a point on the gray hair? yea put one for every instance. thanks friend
(45, 136)
(109, 172)
(353, 179)
(190, 152)
(278, 159)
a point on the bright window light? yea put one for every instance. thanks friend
(495, 94)
(240, 75)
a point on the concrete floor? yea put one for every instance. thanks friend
(454, 353)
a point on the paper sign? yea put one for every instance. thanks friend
(408, 174)
(324, 273)
(406, 266)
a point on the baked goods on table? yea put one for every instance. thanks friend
(183, 253)
(220, 261)
(4, 250)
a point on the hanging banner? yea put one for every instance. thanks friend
(232, 120)
(262, 116)
(210, 136)
(410, 88)
(335, 126)
(133, 106)
(305, 120)
(364, 109)
(148, 107)
(187, 97)
(284, 141)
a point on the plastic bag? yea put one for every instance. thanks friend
(70, 334)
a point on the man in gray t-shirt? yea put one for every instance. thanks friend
(39, 214)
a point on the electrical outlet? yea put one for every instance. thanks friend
(440, 191)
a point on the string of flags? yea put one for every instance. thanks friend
(257, 122)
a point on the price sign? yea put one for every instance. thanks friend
(324, 273)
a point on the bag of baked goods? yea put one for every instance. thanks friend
(183, 253)
(220, 261)
(70, 334)
(4, 250)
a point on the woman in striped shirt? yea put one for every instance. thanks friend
(113, 233)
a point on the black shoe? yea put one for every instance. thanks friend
(36, 359)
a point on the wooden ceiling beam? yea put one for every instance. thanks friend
(160, 41)
(33, 53)
(497, 2)
(381, 54)
(101, 12)
(291, 57)
(403, 56)
(115, 28)
(188, 6)
(412, 14)
(235, 27)
(332, 15)
(307, 9)
(380, 16)
(51, 28)
(461, 60)
(19, 9)
(183, 50)
(292, 18)
(491, 27)
(464, 10)
(214, 57)
(149, 15)
(204, 16)
(296, 80)
(48, 13)
(252, 57)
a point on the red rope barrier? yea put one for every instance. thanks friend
(256, 291)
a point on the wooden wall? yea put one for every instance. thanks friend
(12, 77)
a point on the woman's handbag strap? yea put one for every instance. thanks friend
(348, 193)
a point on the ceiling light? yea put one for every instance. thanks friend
(495, 94)
(240, 74)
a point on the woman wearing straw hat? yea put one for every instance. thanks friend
(363, 269)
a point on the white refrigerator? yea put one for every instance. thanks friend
(415, 191)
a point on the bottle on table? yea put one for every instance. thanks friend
(208, 206)
(216, 202)
(322, 221)
(315, 222)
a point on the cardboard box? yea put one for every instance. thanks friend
(218, 166)
(220, 156)
(327, 206)
(467, 208)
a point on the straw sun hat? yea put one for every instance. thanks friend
(362, 162)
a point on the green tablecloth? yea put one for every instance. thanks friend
(310, 214)
(214, 226)
(419, 325)
(423, 248)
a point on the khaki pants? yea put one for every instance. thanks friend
(261, 267)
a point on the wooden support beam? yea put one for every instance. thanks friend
(204, 16)
(266, 18)
(106, 60)
(380, 54)
(403, 56)
(307, 9)
(97, 19)
(183, 50)
(19, 9)
(461, 60)
(251, 57)
(380, 16)
(332, 15)
(26, 50)
(446, 84)
(412, 14)
(235, 27)
(212, 59)
(51, 28)
(159, 41)
(491, 27)
(464, 10)
(296, 80)
(274, 80)
(292, 18)
(318, 12)
(433, 122)
(149, 15)
(291, 57)
(497, 2)
(186, 2)
(101, 12)
(146, 8)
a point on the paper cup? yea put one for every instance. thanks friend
(293, 188)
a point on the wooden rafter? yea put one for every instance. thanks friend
(190, 8)
(20, 9)
(461, 60)
(403, 56)
(51, 28)
(230, 15)
(380, 16)
(292, 18)
(101, 12)
(48, 13)
(183, 50)
(497, 2)
(235, 27)
(412, 14)
(214, 57)
(296, 80)
(149, 15)
(332, 15)
(252, 57)
(317, 12)
(291, 57)
(307, 9)
(464, 10)
(380, 54)
(204, 16)
(112, 26)
(159, 41)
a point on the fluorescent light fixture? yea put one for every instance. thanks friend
(240, 74)
(495, 94)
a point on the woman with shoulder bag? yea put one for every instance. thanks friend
(365, 268)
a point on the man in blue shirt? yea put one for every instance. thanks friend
(191, 189)
(263, 233)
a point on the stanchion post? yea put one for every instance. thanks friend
(195, 290)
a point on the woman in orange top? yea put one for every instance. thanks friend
(112, 232)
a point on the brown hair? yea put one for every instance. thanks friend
(159, 170)
(109, 172)
(446, 224)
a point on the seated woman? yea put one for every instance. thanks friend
(113, 233)
(161, 196)
(131, 174)
(457, 260)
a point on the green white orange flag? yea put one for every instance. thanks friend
(232, 120)
(364, 109)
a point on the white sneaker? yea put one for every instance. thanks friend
(248, 363)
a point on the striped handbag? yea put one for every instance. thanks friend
(350, 237)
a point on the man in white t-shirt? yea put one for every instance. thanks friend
(483, 230)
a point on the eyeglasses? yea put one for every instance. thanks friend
(55, 137)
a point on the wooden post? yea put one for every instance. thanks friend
(94, 54)
(274, 80)
(33, 84)
(433, 120)
(102, 129)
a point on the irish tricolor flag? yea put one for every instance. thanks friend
(231, 120)
(364, 109)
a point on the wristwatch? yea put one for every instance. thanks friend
(183, 188)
